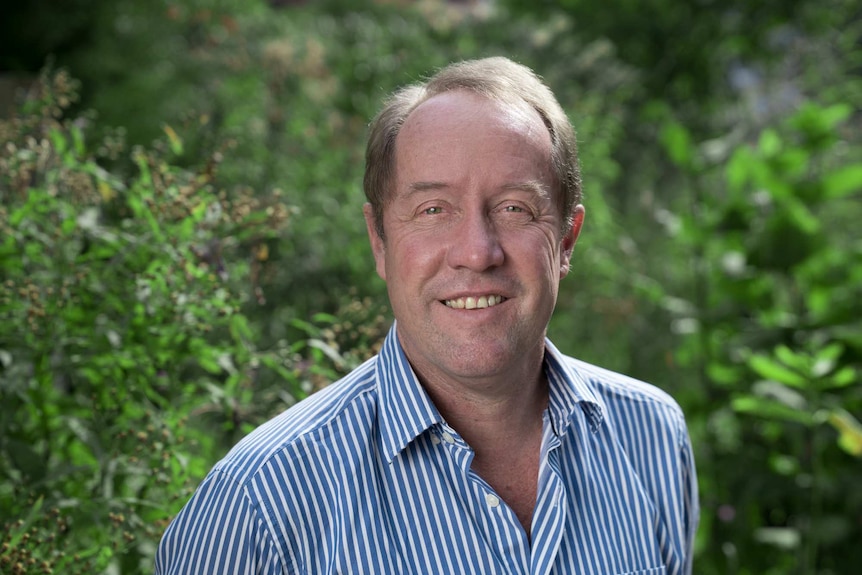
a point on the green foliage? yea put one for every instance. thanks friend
(159, 292)
(776, 334)
(293, 92)
(125, 363)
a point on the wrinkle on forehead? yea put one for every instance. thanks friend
(536, 187)
(513, 114)
(446, 121)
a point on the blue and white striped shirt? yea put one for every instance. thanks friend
(366, 477)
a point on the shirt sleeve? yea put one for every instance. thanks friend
(690, 501)
(219, 532)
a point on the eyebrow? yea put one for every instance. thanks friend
(423, 186)
(534, 186)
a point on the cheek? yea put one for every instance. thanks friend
(408, 259)
(538, 250)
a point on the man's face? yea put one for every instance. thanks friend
(472, 255)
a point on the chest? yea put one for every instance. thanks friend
(514, 479)
(428, 511)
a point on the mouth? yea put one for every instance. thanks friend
(471, 302)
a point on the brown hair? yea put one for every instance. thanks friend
(497, 78)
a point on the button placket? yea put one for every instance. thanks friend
(492, 500)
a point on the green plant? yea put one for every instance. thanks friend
(773, 327)
(126, 365)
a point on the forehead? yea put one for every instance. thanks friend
(463, 130)
(462, 109)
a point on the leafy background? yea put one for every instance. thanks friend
(183, 255)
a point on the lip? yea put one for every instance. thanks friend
(476, 292)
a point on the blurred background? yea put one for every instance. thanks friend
(183, 255)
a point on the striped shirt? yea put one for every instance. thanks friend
(367, 477)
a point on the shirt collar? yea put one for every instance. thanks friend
(569, 392)
(405, 410)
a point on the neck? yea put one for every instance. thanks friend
(495, 412)
(501, 420)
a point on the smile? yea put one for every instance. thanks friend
(471, 302)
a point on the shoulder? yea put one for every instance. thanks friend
(277, 473)
(629, 403)
(317, 419)
(649, 426)
(619, 387)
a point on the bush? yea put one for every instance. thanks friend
(770, 321)
(126, 365)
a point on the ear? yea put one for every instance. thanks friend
(378, 245)
(567, 244)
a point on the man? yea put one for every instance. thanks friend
(470, 444)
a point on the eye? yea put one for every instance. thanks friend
(432, 211)
(515, 208)
(514, 211)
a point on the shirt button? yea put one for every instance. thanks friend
(447, 437)
(435, 440)
(492, 500)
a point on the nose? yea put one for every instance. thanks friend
(475, 244)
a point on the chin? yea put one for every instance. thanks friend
(481, 361)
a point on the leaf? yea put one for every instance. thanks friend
(5, 359)
(677, 143)
(843, 182)
(13, 538)
(68, 226)
(784, 464)
(58, 140)
(822, 367)
(225, 361)
(322, 317)
(306, 327)
(770, 143)
(782, 537)
(328, 350)
(174, 140)
(78, 141)
(239, 328)
(849, 430)
(831, 352)
(781, 393)
(209, 364)
(826, 360)
(738, 169)
(843, 377)
(721, 373)
(766, 367)
(768, 409)
(17, 216)
(199, 211)
(106, 191)
(834, 115)
(792, 163)
(275, 364)
(789, 357)
(801, 215)
(816, 121)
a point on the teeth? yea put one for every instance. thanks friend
(471, 302)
